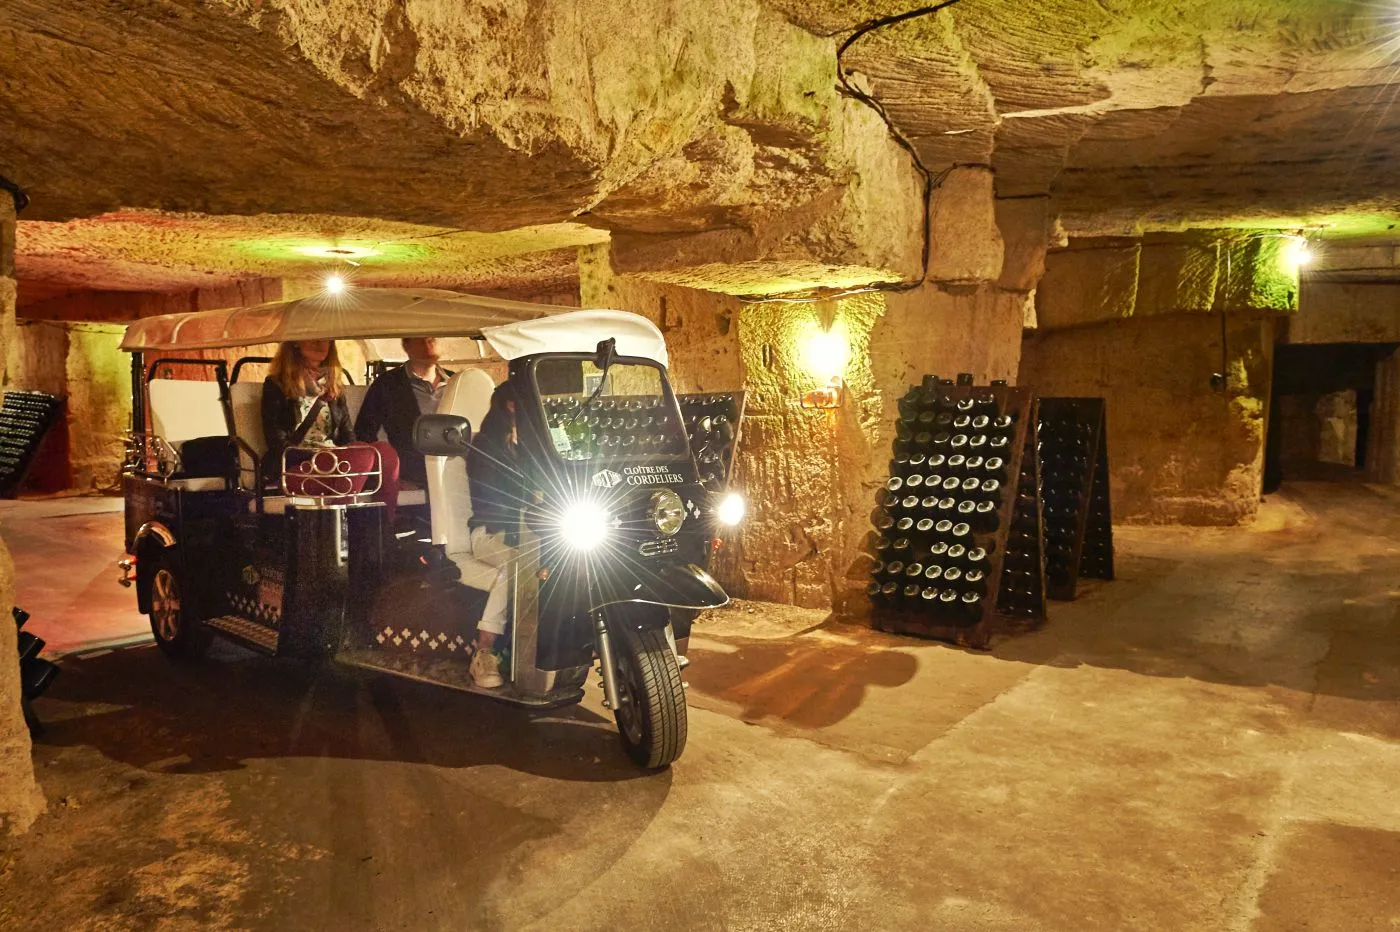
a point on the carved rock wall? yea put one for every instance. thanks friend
(1179, 452)
(20, 799)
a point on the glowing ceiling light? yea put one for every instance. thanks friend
(335, 284)
(338, 251)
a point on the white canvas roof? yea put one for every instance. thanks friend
(508, 329)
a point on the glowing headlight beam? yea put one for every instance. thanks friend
(335, 284)
(584, 526)
(731, 509)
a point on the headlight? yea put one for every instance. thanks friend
(584, 525)
(667, 512)
(731, 509)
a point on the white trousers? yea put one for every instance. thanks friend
(492, 549)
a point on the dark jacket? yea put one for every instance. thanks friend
(391, 404)
(279, 421)
(497, 487)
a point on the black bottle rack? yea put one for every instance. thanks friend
(958, 543)
(1074, 463)
(24, 420)
(712, 421)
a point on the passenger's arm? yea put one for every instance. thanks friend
(277, 427)
(340, 421)
(371, 417)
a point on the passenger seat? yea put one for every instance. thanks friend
(468, 394)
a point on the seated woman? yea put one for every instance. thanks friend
(303, 405)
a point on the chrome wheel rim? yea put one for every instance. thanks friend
(165, 605)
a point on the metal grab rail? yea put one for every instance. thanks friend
(328, 478)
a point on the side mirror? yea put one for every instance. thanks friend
(442, 435)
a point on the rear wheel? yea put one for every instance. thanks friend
(171, 620)
(651, 713)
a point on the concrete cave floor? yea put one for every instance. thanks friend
(1210, 742)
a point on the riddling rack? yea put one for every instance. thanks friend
(1074, 461)
(712, 422)
(25, 419)
(959, 544)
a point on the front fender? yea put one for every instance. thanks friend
(682, 585)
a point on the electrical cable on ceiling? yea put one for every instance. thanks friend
(931, 182)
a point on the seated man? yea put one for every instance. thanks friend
(398, 397)
(498, 494)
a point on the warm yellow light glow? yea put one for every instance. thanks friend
(825, 353)
(1297, 253)
(338, 251)
(335, 284)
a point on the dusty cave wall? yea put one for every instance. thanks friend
(1139, 322)
(811, 474)
(20, 799)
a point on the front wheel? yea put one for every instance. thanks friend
(171, 619)
(651, 714)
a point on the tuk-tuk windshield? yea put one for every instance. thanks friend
(627, 414)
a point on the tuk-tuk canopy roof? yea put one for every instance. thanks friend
(508, 329)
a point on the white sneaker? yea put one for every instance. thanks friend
(486, 670)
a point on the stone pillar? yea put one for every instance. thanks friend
(20, 799)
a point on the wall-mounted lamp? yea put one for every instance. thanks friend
(827, 397)
(1296, 254)
(825, 353)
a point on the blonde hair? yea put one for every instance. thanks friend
(287, 371)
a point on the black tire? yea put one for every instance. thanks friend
(651, 714)
(172, 623)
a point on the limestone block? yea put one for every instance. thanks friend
(1177, 277)
(1259, 276)
(1088, 285)
(37, 357)
(865, 227)
(966, 243)
(99, 406)
(1336, 312)
(1026, 228)
(1179, 452)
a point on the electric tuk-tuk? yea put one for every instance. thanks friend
(612, 548)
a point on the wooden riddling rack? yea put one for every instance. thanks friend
(1045, 524)
(967, 561)
(712, 422)
(1074, 466)
(25, 419)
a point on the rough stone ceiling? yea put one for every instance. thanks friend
(659, 116)
(1144, 114)
(159, 251)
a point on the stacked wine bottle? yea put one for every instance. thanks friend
(942, 515)
(614, 426)
(712, 422)
(1074, 457)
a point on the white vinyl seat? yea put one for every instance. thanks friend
(467, 394)
(247, 421)
(183, 409)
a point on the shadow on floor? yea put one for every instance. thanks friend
(807, 682)
(146, 710)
